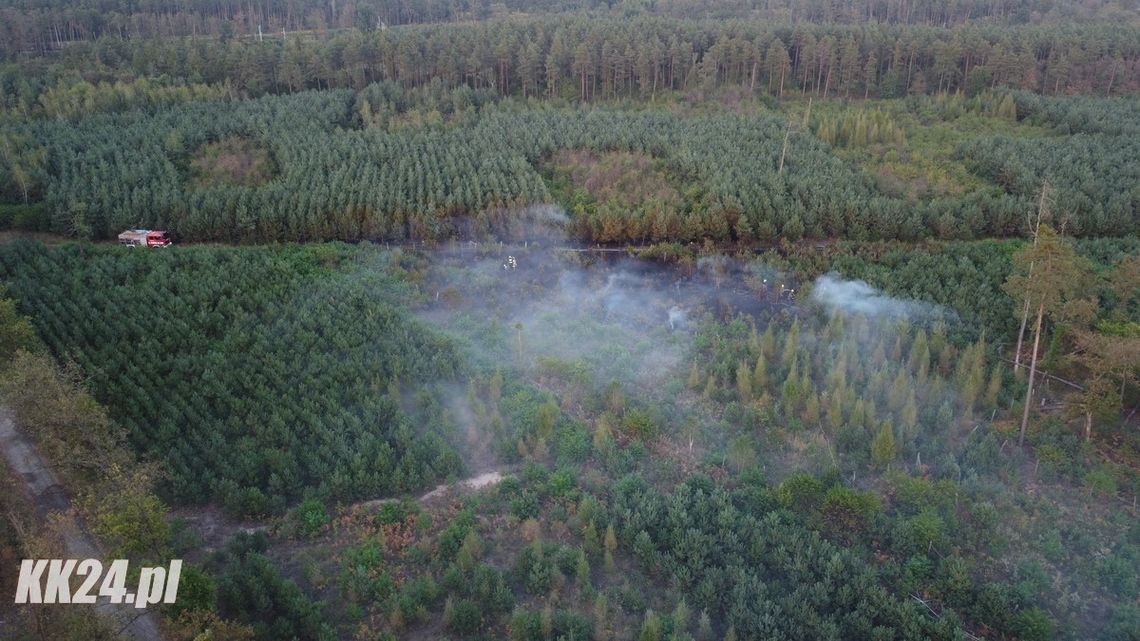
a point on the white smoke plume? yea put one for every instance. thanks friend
(548, 214)
(677, 318)
(858, 297)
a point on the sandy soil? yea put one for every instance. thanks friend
(473, 483)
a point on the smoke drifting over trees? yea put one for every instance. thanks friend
(857, 297)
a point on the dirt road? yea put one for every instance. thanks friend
(42, 486)
(474, 483)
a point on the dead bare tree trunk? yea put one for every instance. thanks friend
(783, 151)
(1020, 337)
(1032, 373)
(1042, 209)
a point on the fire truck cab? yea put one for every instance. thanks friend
(144, 238)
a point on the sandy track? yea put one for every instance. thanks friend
(469, 484)
(473, 483)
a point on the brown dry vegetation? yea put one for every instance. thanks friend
(232, 161)
(627, 178)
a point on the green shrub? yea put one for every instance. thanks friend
(913, 495)
(196, 591)
(849, 513)
(525, 505)
(1053, 461)
(742, 453)
(1100, 481)
(984, 520)
(416, 595)
(561, 484)
(539, 577)
(360, 578)
(1051, 546)
(574, 445)
(1033, 581)
(310, 517)
(993, 606)
(510, 485)
(1032, 625)
(466, 617)
(919, 534)
(916, 573)
(954, 581)
(453, 579)
(639, 423)
(1124, 625)
(392, 512)
(854, 443)
(800, 491)
(1118, 572)
(534, 474)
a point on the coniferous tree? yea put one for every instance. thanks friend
(760, 372)
(883, 445)
(1057, 276)
(744, 382)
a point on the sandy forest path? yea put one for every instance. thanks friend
(214, 529)
(473, 483)
(51, 501)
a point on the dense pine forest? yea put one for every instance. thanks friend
(38, 26)
(576, 320)
(592, 59)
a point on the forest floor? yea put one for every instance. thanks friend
(210, 529)
(53, 507)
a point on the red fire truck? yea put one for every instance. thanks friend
(144, 238)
